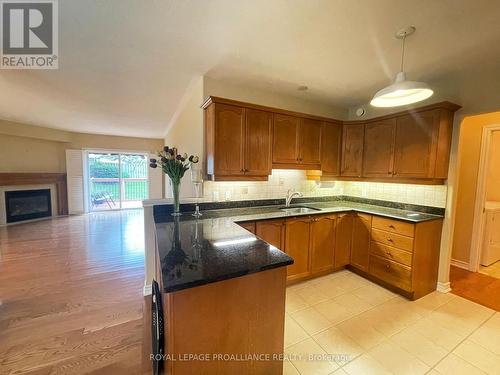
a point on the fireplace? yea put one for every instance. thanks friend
(27, 204)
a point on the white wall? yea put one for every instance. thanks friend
(185, 132)
(228, 90)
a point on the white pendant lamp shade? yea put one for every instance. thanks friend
(401, 92)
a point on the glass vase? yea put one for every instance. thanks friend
(175, 185)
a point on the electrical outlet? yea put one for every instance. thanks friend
(244, 190)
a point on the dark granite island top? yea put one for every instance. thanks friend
(197, 252)
(214, 248)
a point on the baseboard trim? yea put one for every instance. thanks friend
(460, 264)
(147, 290)
(443, 287)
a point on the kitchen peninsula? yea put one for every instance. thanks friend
(223, 279)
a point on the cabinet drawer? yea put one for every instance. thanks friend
(391, 253)
(392, 239)
(391, 272)
(394, 226)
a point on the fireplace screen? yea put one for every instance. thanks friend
(27, 204)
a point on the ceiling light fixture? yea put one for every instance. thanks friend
(402, 92)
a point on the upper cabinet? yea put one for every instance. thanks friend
(310, 142)
(331, 143)
(245, 141)
(229, 134)
(238, 142)
(378, 158)
(296, 142)
(258, 127)
(286, 131)
(416, 141)
(352, 150)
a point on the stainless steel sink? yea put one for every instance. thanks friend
(299, 210)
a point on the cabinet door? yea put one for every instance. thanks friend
(286, 139)
(310, 141)
(258, 143)
(378, 157)
(229, 140)
(343, 240)
(360, 247)
(322, 243)
(331, 142)
(272, 231)
(297, 244)
(416, 142)
(352, 149)
(248, 225)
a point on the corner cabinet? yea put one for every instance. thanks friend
(352, 150)
(331, 143)
(238, 142)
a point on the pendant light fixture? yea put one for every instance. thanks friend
(402, 92)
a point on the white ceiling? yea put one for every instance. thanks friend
(125, 64)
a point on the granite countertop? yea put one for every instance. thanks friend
(194, 252)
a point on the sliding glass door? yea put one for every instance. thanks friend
(117, 180)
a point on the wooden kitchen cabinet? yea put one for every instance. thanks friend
(248, 225)
(360, 246)
(245, 141)
(310, 142)
(331, 143)
(343, 240)
(272, 231)
(286, 131)
(352, 150)
(238, 142)
(258, 127)
(296, 142)
(322, 243)
(416, 141)
(229, 134)
(297, 245)
(378, 151)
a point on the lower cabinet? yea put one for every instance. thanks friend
(248, 225)
(361, 229)
(272, 231)
(343, 239)
(297, 245)
(322, 243)
(395, 253)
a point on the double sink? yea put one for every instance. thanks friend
(299, 210)
(294, 210)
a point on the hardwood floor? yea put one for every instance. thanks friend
(71, 296)
(476, 287)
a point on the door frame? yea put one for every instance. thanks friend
(479, 205)
(86, 178)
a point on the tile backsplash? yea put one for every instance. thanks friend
(281, 180)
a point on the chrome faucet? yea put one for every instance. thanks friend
(290, 195)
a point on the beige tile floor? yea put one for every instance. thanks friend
(343, 324)
(492, 270)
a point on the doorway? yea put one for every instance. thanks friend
(116, 180)
(489, 245)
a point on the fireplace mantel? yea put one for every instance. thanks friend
(59, 179)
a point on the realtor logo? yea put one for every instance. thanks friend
(29, 37)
